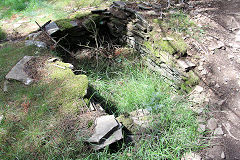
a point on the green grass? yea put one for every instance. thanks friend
(2, 34)
(43, 132)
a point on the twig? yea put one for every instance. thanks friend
(56, 44)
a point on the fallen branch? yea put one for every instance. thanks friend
(55, 42)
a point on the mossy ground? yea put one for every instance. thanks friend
(32, 114)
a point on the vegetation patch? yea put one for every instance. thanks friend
(71, 87)
(2, 34)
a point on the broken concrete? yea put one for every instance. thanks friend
(18, 73)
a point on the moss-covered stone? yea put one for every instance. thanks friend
(64, 23)
(190, 81)
(127, 121)
(71, 88)
(92, 21)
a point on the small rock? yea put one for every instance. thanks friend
(191, 156)
(218, 131)
(219, 68)
(5, 88)
(39, 44)
(141, 117)
(204, 72)
(152, 13)
(167, 39)
(198, 89)
(200, 68)
(199, 110)
(216, 45)
(212, 124)
(33, 36)
(223, 155)
(201, 128)
(186, 65)
(217, 85)
(52, 60)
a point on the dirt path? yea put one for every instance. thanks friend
(222, 65)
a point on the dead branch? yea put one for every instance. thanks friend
(55, 42)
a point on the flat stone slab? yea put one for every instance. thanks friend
(116, 136)
(105, 127)
(52, 28)
(18, 73)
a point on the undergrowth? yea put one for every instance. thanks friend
(42, 132)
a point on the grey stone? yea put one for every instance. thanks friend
(33, 36)
(223, 155)
(201, 128)
(18, 73)
(51, 60)
(199, 89)
(120, 4)
(204, 72)
(116, 136)
(218, 131)
(216, 45)
(200, 68)
(186, 65)
(39, 44)
(105, 126)
(191, 156)
(212, 124)
(167, 39)
(141, 117)
(52, 28)
(5, 87)
(199, 110)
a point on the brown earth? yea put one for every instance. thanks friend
(222, 79)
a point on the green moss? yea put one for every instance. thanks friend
(80, 15)
(190, 81)
(64, 23)
(177, 46)
(92, 21)
(70, 88)
(127, 121)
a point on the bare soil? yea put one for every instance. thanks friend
(222, 21)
